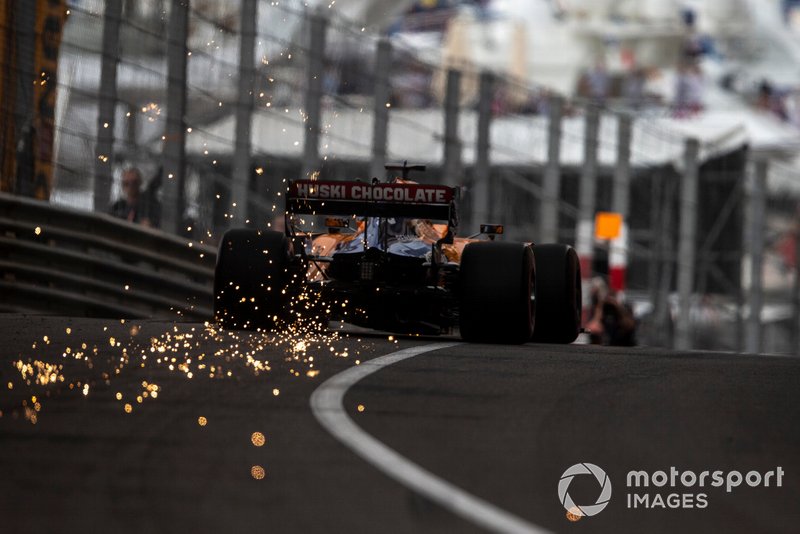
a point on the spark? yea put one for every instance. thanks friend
(258, 439)
(574, 514)
(304, 341)
(257, 472)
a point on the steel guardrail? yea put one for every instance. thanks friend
(60, 260)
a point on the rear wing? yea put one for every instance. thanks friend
(362, 199)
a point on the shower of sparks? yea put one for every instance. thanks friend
(302, 339)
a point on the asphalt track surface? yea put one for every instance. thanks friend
(501, 423)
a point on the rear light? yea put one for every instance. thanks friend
(367, 270)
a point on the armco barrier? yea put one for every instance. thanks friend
(64, 261)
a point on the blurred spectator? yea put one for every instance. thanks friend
(689, 82)
(596, 82)
(611, 321)
(695, 44)
(769, 99)
(134, 205)
(633, 88)
(619, 323)
(692, 46)
(688, 90)
(500, 104)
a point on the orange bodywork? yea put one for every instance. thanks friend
(326, 244)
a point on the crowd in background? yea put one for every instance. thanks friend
(412, 82)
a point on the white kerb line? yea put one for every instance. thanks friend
(327, 405)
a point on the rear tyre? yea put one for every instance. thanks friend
(558, 294)
(251, 280)
(496, 292)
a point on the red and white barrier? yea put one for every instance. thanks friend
(618, 260)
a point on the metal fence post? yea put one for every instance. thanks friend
(796, 290)
(174, 151)
(24, 113)
(755, 244)
(665, 258)
(551, 189)
(313, 97)
(106, 107)
(687, 243)
(658, 205)
(380, 120)
(587, 200)
(131, 126)
(452, 143)
(620, 203)
(481, 175)
(498, 212)
(242, 158)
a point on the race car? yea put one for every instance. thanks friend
(384, 255)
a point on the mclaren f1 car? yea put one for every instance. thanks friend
(385, 255)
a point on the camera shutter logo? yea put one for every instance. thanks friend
(579, 509)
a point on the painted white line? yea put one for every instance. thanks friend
(328, 407)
